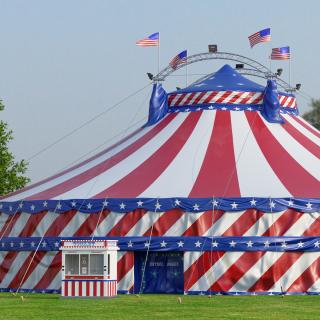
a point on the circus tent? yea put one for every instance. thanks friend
(212, 187)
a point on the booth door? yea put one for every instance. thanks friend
(163, 272)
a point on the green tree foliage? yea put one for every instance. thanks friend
(313, 116)
(11, 172)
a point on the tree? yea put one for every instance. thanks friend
(313, 116)
(11, 172)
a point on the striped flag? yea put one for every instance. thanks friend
(282, 53)
(260, 36)
(180, 58)
(151, 41)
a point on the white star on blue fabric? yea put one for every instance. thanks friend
(309, 205)
(32, 207)
(45, 204)
(283, 244)
(147, 244)
(177, 202)
(232, 244)
(158, 206)
(234, 205)
(163, 244)
(300, 244)
(21, 244)
(197, 244)
(56, 244)
(290, 203)
(20, 205)
(317, 244)
(73, 203)
(215, 203)
(59, 206)
(32, 244)
(130, 244)
(272, 204)
(44, 244)
(89, 205)
(139, 203)
(105, 203)
(196, 207)
(215, 244)
(122, 205)
(267, 244)
(249, 244)
(253, 202)
(10, 208)
(180, 244)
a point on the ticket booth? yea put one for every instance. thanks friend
(89, 268)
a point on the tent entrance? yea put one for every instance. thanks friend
(163, 272)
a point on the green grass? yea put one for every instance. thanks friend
(49, 306)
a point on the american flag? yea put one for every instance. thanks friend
(180, 58)
(260, 36)
(282, 53)
(151, 41)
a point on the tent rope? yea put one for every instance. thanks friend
(87, 122)
(20, 205)
(148, 247)
(89, 191)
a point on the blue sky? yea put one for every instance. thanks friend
(63, 62)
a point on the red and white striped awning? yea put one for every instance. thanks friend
(197, 154)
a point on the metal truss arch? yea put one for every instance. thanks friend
(255, 68)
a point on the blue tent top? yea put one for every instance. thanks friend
(224, 79)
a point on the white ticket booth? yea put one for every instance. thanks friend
(89, 268)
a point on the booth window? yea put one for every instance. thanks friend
(96, 264)
(72, 264)
(108, 265)
(84, 264)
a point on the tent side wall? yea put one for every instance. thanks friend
(227, 252)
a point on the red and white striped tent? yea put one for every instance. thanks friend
(236, 195)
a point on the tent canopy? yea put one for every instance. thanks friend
(216, 150)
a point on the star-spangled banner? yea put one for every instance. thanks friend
(259, 37)
(234, 107)
(161, 205)
(276, 244)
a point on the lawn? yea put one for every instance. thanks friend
(49, 306)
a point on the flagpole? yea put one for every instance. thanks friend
(159, 55)
(187, 74)
(270, 63)
(289, 71)
(270, 50)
